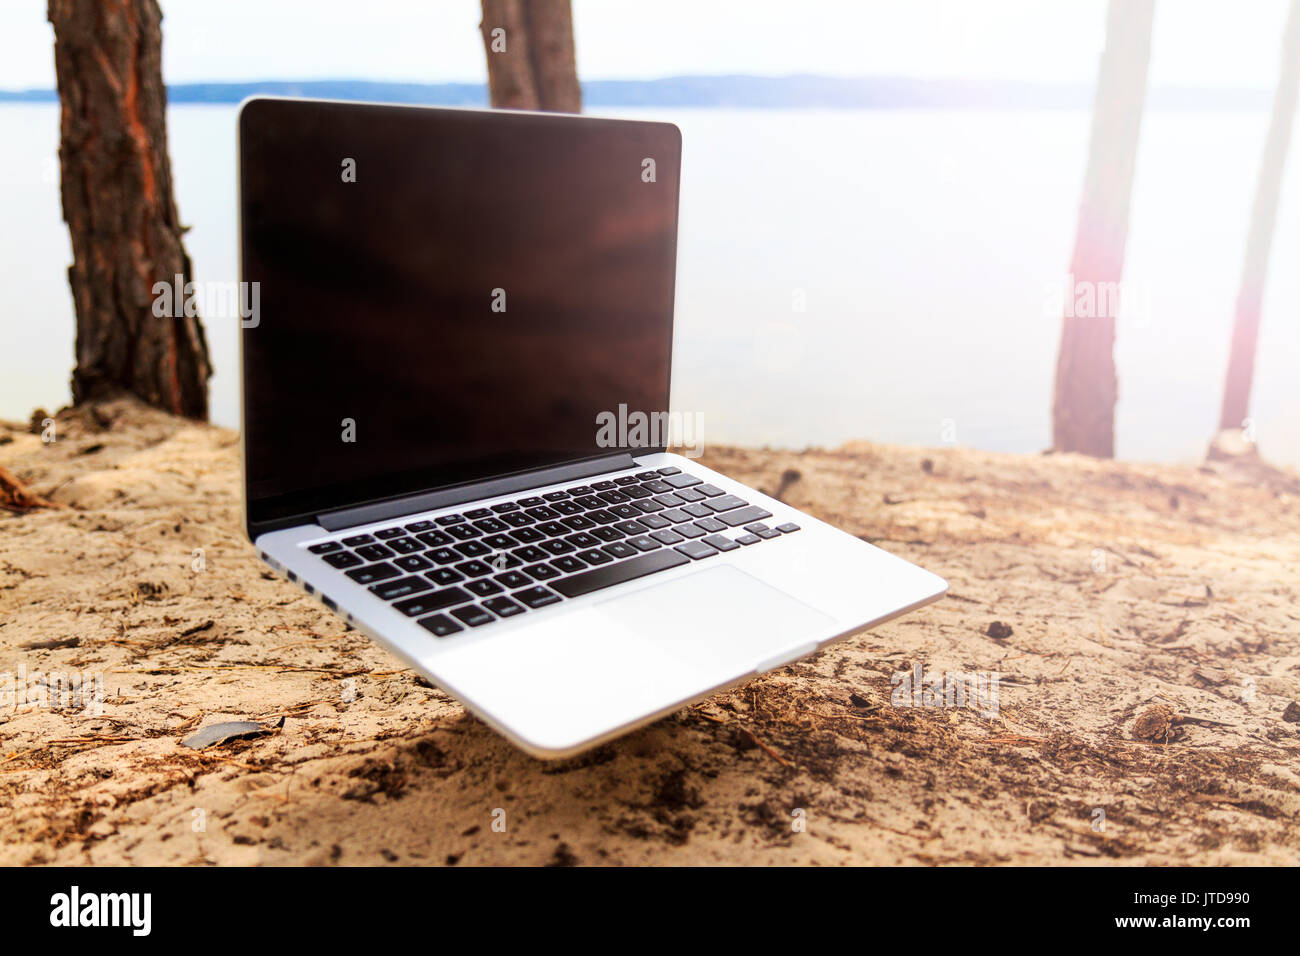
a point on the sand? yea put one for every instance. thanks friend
(1142, 621)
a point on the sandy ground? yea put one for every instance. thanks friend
(1124, 588)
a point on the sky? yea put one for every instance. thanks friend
(1211, 43)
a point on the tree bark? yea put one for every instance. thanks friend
(1083, 401)
(537, 69)
(1259, 241)
(120, 209)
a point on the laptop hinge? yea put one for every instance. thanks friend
(443, 498)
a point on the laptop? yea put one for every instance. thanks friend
(456, 421)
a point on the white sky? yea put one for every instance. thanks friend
(1216, 43)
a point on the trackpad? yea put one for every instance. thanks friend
(719, 618)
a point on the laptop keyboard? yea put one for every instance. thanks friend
(461, 571)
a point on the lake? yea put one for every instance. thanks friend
(841, 274)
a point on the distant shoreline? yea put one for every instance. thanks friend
(724, 92)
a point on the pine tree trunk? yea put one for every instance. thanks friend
(1083, 402)
(120, 210)
(531, 65)
(1263, 216)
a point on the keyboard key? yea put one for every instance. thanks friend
(721, 543)
(620, 549)
(556, 495)
(603, 485)
(578, 522)
(374, 552)
(420, 526)
(557, 546)
(552, 529)
(473, 615)
(709, 491)
(567, 507)
(626, 512)
(512, 580)
(606, 534)
(531, 554)
(503, 607)
(670, 501)
(658, 487)
(505, 506)
(618, 572)
(538, 596)
(681, 481)
(636, 491)
(748, 539)
(643, 543)
(689, 530)
(529, 502)
(710, 524)
(670, 471)
(788, 528)
(325, 547)
(667, 537)
(689, 495)
(463, 532)
(503, 562)
(357, 539)
(502, 542)
(625, 480)
(744, 515)
(473, 549)
(697, 550)
(601, 516)
(437, 601)
(412, 562)
(654, 522)
(483, 587)
(440, 625)
(473, 569)
(631, 527)
(725, 503)
(444, 556)
(697, 511)
(590, 502)
(583, 540)
(402, 587)
(769, 533)
(342, 559)
(528, 535)
(568, 564)
(648, 506)
(478, 513)
(613, 497)
(491, 525)
(447, 520)
(675, 515)
(387, 533)
(406, 545)
(372, 573)
(542, 572)
(647, 476)
(517, 519)
(579, 490)
(756, 528)
(594, 556)
(445, 576)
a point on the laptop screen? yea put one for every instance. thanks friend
(444, 296)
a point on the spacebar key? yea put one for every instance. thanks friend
(606, 577)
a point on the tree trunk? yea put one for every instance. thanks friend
(1083, 401)
(119, 207)
(530, 57)
(1263, 216)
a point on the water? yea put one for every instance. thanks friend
(842, 274)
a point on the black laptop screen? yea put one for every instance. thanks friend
(444, 296)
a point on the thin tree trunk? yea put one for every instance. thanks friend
(1083, 401)
(1263, 216)
(120, 210)
(530, 55)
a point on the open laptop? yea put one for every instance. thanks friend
(453, 307)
